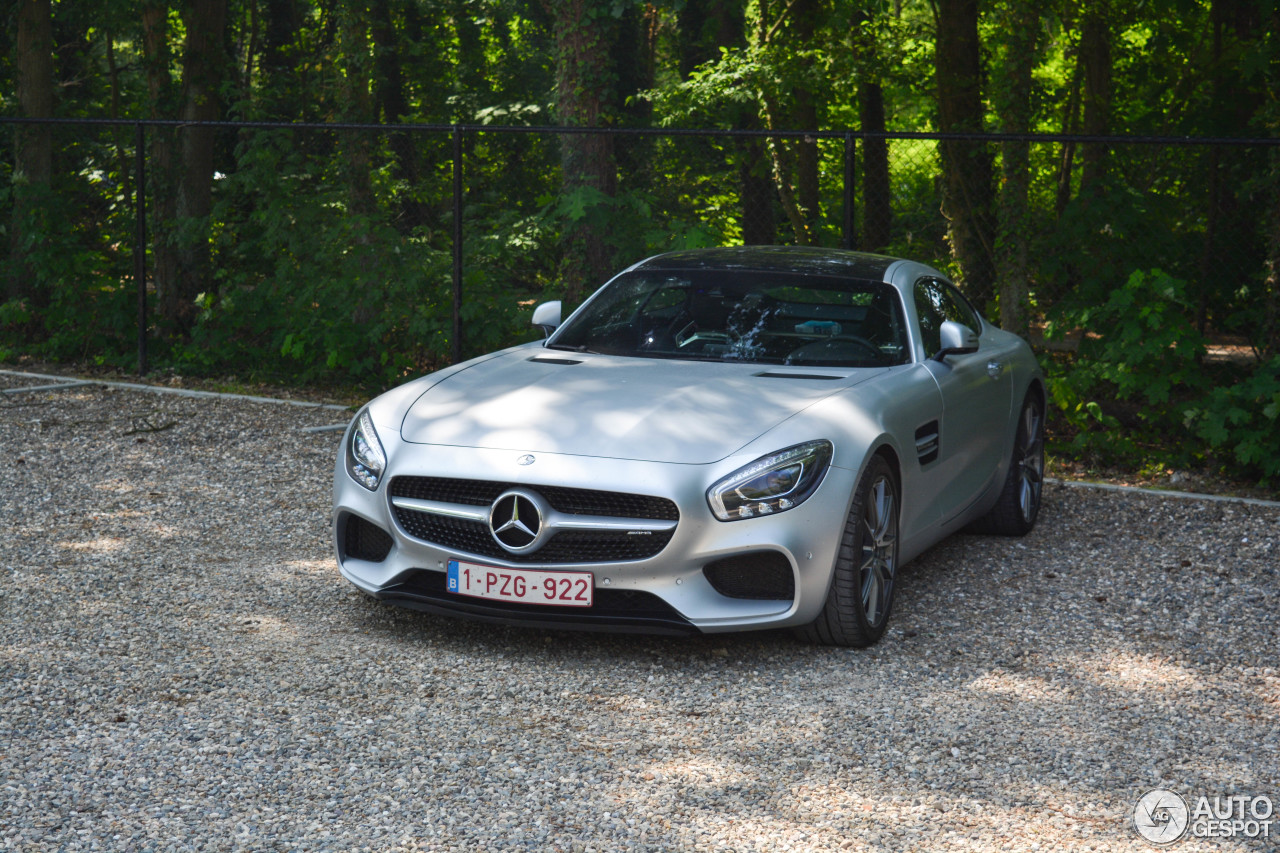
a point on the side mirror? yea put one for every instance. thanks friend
(547, 317)
(957, 339)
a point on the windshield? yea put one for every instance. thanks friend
(754, 317)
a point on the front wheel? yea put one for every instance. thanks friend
(862, 586)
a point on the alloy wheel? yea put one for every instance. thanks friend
(1031, 463)
(879, 550)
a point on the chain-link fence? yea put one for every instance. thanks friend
(376, 251)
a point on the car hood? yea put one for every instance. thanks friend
(658, 410)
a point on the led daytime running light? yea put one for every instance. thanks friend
(366, 459)
(771, 484)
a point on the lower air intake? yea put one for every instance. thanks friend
(765, 575)
(363, 540)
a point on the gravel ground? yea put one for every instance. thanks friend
(182, 668)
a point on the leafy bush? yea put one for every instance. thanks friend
(1141, 342)
(81, 302)
(310, 291)
(1139, 390)
(1242, 422)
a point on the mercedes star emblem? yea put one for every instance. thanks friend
(517, 520)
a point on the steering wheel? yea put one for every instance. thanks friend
(842, 348)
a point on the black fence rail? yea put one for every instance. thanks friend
(374, 251)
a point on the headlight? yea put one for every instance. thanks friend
(773, 483)
(365, 458)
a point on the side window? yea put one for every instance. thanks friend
(959, 308)
(930, 310)
(936, 302)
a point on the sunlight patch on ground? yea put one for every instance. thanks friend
(1146, 674)
(101, 545)
(1020, 686)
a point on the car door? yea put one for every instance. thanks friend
(977, 391)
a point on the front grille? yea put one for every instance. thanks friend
(363, 540)
(575, 501)
(569, 546)
(765, 575)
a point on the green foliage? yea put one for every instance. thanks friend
(311, 291)
(1106, 233)
(331, 251)
(631, 226)
(1139, 353)
(1141, 342)
(1139, 390)
(1241, 422)
(81, 299)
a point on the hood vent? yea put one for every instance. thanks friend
(551, 359)
(778, 374)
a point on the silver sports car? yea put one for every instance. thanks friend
(717, 440)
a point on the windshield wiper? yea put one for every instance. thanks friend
(569, 348)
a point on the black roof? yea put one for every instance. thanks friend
(807, 260)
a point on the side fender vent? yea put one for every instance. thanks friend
(927, 443)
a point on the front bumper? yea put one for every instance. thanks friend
(666, 593)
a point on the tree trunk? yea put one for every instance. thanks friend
(113, 79)
(756, 193)
(804, 15)
(876, 194)
(388, 87)
(706, 26)
(1271, 330)
(161, 98)
(632, 68)
(1095, 55)
(584, 36)
(284, 20)
(1237, 99)
(357, 108)
(780, 153)
(1020, 28)
(33, 144)
(1070, 119)
(967, 193)
(877, 199)
(1270, 336)
(469, 75)
(204, 64)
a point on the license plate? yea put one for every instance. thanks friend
(525, 586)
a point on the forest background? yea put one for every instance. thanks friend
(1101, 177)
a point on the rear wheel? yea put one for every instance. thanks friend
(865, 577)
(1019, 505)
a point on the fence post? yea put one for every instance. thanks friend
(456, 338)
(850, 179)
(140, 240)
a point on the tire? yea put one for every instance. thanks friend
(862, 586)
(1016, 511)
